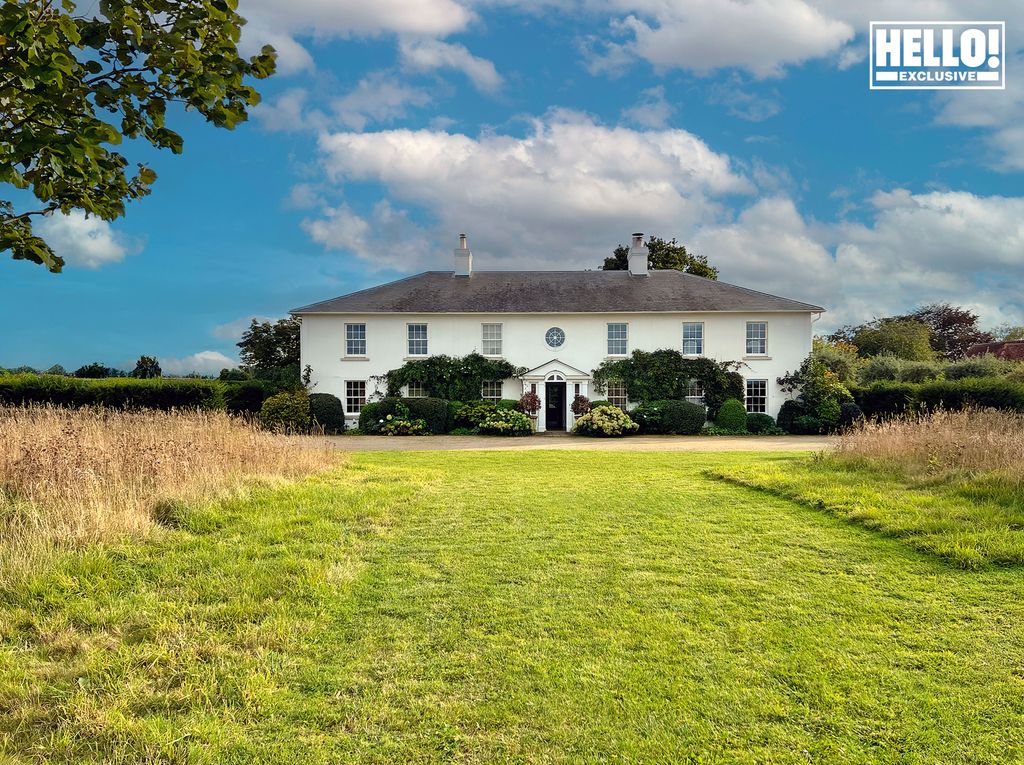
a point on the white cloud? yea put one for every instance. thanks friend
(651, 111)
(87, 242)
(377, 98)
(288, 113)
(385, 239)
(203, 363)
(761, 36)
(568, 189)
(233, 330)
(429, 55)
(742, 102)
(917, 248)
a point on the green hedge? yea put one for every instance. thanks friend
(670, 417)
(433, 411)
(890, 398)
(117, 392)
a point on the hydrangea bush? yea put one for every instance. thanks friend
(506, 422)
(605, 421)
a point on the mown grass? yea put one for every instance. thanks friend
(948, 482)
(501, 606)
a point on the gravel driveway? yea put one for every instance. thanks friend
(565, 441)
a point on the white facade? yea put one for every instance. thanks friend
(724, 336)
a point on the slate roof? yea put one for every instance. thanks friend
(554, 292)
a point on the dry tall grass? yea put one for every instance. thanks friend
(982, 441)
(74, 476)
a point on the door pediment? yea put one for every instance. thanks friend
(556, 366)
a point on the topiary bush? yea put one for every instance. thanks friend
(670, 417)
(286, 412)
(732, 415)
(433, 412)
(605, 421)
(368, 418)
(580, 405)
(760, 423)
(327, 412)
(529, 403)
(505, 422)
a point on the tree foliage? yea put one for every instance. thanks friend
(663, 255)
(667, 374)
(270, 350)
(147, 367)
(904, 338)
(96, 370)
(952, 329)
(452, 378)
(74, 85)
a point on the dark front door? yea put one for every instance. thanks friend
(554, 406)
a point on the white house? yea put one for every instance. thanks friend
(560, 325)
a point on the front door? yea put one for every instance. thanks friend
(554, 406)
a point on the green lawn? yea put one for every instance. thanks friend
(529, 607)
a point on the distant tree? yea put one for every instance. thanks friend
(58, 370)
(904, 338)
(952, 329)
(147, 367)
(75, 85)
(1008, 332)
(663, 255)
(234, 375)
(270, 350)
(96, 370)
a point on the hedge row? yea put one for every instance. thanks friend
(888, 398)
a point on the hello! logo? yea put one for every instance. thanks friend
(937, 55)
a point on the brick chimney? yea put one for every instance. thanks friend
(638, 256)
(463, 258)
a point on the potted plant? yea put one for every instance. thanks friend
(529, 405)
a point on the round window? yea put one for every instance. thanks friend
(554, 337)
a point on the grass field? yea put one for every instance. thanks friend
(529, 607)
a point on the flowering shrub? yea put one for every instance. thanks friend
(400, 427)
(605, 421)
(529, 403)
(580, 405)
(506, 422)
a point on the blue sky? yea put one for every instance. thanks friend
(549, 131)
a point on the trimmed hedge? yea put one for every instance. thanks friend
(887, 398)
(757, 422)
(670, 417)
(433, 411)
(328, 412)
(116, 392)
(245, 397)
(732, 415)
(286, 412)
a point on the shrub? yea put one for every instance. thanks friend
(789, 411)
(580, 405)
(451, 378)
(827, 412)
(605, 421)
(115, 393)
(992, 392)
(245, 397)
(508, 403)
(401, 426)
(433, 412)
(286, 412)
(886, 398)
(732, 415)
(368, 418)
(919, 371)
(760, 423)
(806, 425)
(469, 414)
(849, 415)
(328, 412)
(978, 366)
(599, 403)
(506, 422)
(670, 417)
(529, 403)
(880, 368)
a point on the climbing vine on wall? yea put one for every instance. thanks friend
(453, 378)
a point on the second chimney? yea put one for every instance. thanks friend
(463, 258)
(637, 259)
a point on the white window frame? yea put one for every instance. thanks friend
(419, 391)
(360, 401)
(492, 349)
(699, 339)
(617, 394)
(409, 339)
(757, 338)
(761, 400)
(349, 353)
(624, 339)
(499, 384)
(695, 392)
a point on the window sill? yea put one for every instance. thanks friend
(416, 358)
(758, 357)
(693, 355)
(616, 356)
(355, 358)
